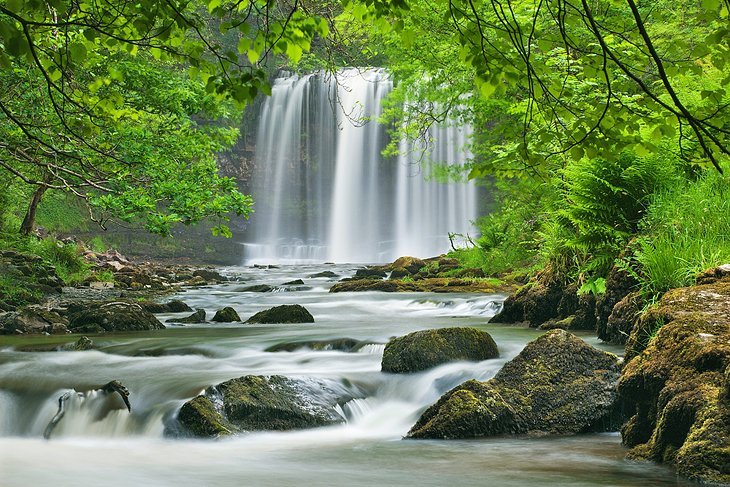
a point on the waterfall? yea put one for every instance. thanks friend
(324, 192)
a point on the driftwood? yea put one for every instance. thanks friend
(109, 388)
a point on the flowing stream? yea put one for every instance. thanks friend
(162, 369)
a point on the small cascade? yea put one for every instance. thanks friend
(323, 189)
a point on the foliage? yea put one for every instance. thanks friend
(112, 100)
(686, 230)
(603, 202)
(508, 240)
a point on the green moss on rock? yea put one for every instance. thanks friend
(557, 385)
(254, 403)
(287, 313)
(226, 315)
(425, 349)
(98, 317)
(677, 387)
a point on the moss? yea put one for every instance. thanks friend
(425, 349)
(558, 384)
(675, 383)
(202, 418)
(226, 315)
(287, 313)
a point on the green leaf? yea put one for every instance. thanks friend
(78, 51)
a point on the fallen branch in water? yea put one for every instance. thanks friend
(109, 388)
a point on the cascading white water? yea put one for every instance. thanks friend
(323, 190)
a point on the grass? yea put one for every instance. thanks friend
(686, 230)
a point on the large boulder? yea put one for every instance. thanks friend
(97, 317)
(558, 384)
(254, 403)
(676, 383)
(286, 313)
(425, 349)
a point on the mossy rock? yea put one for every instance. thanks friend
(256, 403)
(373, 285)
(426, 349)
(473, 409)
(558, 384)
(98, 317)
(368, 273)
(174, 306)
(201, 417)
(226, 315)
(327, 274)
(287, 313)
(197, 317)
(33, 320)
(677, 388)
(411, 265)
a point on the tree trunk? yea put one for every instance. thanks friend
(28, 225)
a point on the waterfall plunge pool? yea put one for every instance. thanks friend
(162, 369)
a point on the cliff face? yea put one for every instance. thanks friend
(677, 383)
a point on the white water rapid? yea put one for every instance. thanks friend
(323, 190)
(95, 445)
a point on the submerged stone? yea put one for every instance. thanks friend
(557, 385)
(425, 349)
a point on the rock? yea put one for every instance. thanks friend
(83, 343)
(258, 288)
(226, 315)
(713, 274)
(367, 272)
(96, 317)
(33, 320)
(618, 285)
(287, 313)
(373, 285)
(675, 383)
(253, 403)
(327, 274)
(339, 344)
(431, 284)
(409, 264)
(197, 317)
(195, 281)
(209, 275)
(534, 303)
(175, 306)
(399, 273)
(295, 282)
(557, 385)
(621, 321)
(425, 349)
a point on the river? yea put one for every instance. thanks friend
(164, 368)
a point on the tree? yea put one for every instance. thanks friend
(111, 100)
(586, 79)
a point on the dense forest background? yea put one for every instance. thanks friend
(602, 128)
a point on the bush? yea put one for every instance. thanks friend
(601, 205)
(686, 230)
